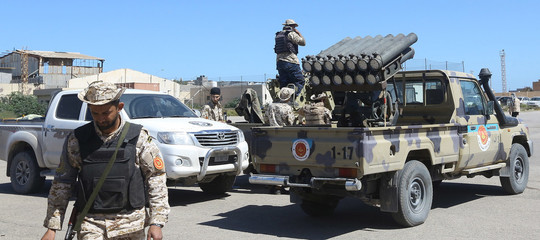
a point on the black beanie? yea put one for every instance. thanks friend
(215, 91)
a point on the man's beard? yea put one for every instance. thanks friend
(110, 125)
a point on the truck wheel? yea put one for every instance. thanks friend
(415, 194)
(519, 170)
(24, 173)
(319, 206)
(219, 185)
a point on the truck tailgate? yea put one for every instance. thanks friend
(330, 152)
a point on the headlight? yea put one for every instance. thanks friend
(240, 136)
(174, 138)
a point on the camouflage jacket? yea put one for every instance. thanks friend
(279, 114)
(315, 114)
(291, 57)
(514, 105)
(148, 159)
(212, 111)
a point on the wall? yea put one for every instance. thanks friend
(7, 88)
(14, 60)
(5, 77)
(520, 94)
(127, 76)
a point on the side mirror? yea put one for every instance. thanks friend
(490, 108)
(197, 112)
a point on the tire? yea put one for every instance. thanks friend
(318, 209)
(24, 173)
(219, 185)
(415, 194)
(519, 170)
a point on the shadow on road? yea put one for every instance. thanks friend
(450, 194)
(5, 188)
(184, 197)
(351, 215)
(290, 222)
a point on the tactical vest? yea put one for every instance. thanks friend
(314, 114)
(124, 187)
(283, 45)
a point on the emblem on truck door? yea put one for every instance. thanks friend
(482, 135)
(301, 149)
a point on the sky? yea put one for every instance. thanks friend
(233, 40)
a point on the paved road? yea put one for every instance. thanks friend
(475, 208)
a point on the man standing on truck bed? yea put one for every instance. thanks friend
(136, 179)
(213, 110)
(286, 48)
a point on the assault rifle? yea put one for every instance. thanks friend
(70, 233)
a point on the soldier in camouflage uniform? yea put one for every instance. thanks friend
(514, 106)
(128, 222)
(281, 114)
(315, 113)
(213, 110)
(286, 49)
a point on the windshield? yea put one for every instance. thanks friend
(154, 106)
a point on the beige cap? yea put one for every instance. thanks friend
(290, 22)
(319, 96)
(100, 93)
(285, 94)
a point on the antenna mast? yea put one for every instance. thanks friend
(24, 70)
(503, 71)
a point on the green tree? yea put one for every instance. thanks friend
(233, 103)
(22, 105)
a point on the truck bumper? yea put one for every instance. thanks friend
(350, 184)
(199, 162)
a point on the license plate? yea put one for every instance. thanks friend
(221, 158)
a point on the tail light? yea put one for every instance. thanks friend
(268, 168)
(348, 172)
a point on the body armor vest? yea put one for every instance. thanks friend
(124, 187)
(283, 45)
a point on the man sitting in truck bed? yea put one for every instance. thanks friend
(281, 113)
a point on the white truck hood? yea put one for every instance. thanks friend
(189, 125)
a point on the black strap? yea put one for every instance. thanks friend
(101, 180)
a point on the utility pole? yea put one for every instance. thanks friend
(503, 71)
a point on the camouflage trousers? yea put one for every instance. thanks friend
(92, 235)
(103, 227)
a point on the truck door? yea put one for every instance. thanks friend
(482, 137)
(58, 125)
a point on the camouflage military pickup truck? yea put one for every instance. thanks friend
(437, 125)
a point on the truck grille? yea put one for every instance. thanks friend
(216, 138)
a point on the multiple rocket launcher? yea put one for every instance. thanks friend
(359, 61)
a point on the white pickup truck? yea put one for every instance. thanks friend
(195, 150)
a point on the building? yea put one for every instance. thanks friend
(52, 69)
(536, 85)
(26, 70)
(124, 77)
